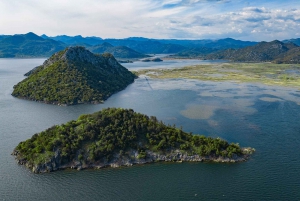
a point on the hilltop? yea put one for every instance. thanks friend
(28, 45)
(120, 52)
(73, 76)
(119, 137)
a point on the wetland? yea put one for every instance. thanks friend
(265, 73)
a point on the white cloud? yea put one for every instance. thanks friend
(257, 20)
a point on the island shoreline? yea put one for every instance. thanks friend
(131, 160)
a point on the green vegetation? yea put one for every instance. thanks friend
(266, 73)
(74, 76)
(102, 135)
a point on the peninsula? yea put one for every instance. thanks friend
(117, 137)
(74, 76)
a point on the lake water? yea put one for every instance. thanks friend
(263, 117)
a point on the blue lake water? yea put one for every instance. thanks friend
(263, 117)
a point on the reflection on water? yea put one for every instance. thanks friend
(199, 111)
(269, 99)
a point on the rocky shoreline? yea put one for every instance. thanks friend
(132, 158)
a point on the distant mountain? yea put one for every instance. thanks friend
(261, 52)
(169, 46)
(121, 52)
(229, 43)
(154, 46)
(28, 45)
(73, 76)
(294, 40)
(214, 44)
(147, 46)
(76, 40)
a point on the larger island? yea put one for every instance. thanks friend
(117, 137)
(73, 76)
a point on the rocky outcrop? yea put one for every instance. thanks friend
(130, 159)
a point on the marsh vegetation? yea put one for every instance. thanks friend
(265, 73)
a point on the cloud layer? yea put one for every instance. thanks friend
(193, 19)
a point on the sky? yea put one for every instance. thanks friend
(252, 20)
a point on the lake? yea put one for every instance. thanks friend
(263, 117)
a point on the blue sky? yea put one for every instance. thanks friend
(255, 20)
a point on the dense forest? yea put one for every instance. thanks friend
(74, 76)
(114, 131)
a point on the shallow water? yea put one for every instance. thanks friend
(263, 117)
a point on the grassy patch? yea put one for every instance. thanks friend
(266, 73)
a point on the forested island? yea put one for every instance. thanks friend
(74, 76)
(117, 137)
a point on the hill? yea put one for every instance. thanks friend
(290, 57)
(73, 76)
(121, 52)
(28, 45)
(117, 137)
(229, 43)
(194, 52)
(261, 52)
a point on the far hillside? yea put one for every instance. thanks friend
(274, 51)
(121, 52)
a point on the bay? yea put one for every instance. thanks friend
(263, 117)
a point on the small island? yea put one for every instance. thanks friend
(152, 60)
(117, 137)
(74, 76)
